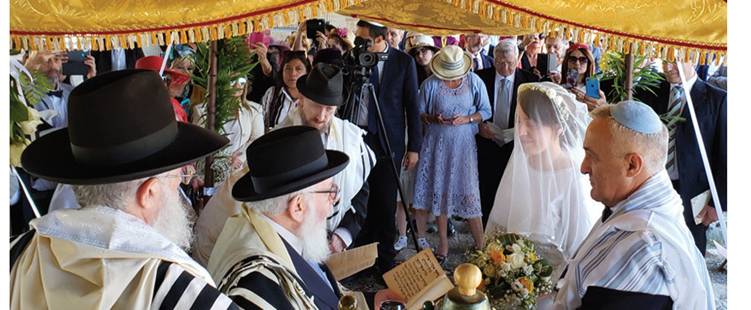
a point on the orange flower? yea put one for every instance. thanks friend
(497, 257)
(527, 283)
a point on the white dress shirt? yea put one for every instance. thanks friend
(502, 110)
(118, 59)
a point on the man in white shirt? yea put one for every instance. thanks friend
(473, 44)
(684, 162)
(53, 107)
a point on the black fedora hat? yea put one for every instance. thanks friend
(121, 127)
(323, 85)
(287, 160)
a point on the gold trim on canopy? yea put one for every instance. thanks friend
(100, 25)
(695, 28)
(431, 17)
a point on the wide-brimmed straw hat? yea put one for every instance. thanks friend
(451, 63)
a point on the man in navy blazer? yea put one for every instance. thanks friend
(473, 44)
(494, 152)
(395, 83)
(687, 171)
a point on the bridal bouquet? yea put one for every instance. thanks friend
(514, 275)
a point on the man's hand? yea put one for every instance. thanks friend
(485, 131)
(386, 295)
(91, 63)
(708, 215)
(591, 103)
(336, 244)
(410, 160)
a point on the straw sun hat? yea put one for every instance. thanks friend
(451, 63)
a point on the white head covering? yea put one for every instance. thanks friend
(542, 193)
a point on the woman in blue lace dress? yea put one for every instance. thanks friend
(452, 103)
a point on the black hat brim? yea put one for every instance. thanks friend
(334, 100)
(243, 190)
(50, 157)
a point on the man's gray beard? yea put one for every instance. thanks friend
(174, 221)
(314, 239)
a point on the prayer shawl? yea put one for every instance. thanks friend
(247, 245)
(344, 137)
(101, 258)
(643, 247)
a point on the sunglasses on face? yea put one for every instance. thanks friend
(581, 59)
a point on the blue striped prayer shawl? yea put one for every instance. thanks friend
(644, 247)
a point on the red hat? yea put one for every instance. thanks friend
(577, 46)
(154, 63)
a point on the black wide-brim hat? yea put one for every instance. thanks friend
(122, 127)
(324, 84)
(287, 160)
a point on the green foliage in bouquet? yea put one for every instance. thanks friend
(234, 60)
(23, 118)
(613, 65)
(513, 273)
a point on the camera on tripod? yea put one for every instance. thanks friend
(359, 59)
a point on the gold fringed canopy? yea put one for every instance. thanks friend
(646, 27)
(100, 25)
(694, 28)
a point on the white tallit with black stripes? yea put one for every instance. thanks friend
(101, 258)
(345, 137)
(644, 247)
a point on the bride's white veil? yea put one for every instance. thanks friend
(543, 193)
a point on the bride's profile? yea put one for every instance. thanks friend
(542, 193)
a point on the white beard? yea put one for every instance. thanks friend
(314, 239)
(174, 221)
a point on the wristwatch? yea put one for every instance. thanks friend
(470, 119)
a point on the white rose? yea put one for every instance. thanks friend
(506, 267)
(517, 260)
(528, 269)
(516, 248)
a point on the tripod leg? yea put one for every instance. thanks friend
(386, 146)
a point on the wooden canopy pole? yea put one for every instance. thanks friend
(210, 116)
(629, 76)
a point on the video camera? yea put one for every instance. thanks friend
(359, 60)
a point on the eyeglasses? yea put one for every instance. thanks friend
(333, 193)
(582, 59)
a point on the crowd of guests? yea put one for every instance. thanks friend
(479, 132)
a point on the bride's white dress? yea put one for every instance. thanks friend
(543, 197)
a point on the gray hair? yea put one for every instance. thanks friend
(274, 206)
(505, 47)
(652, 147)
(113, 195)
